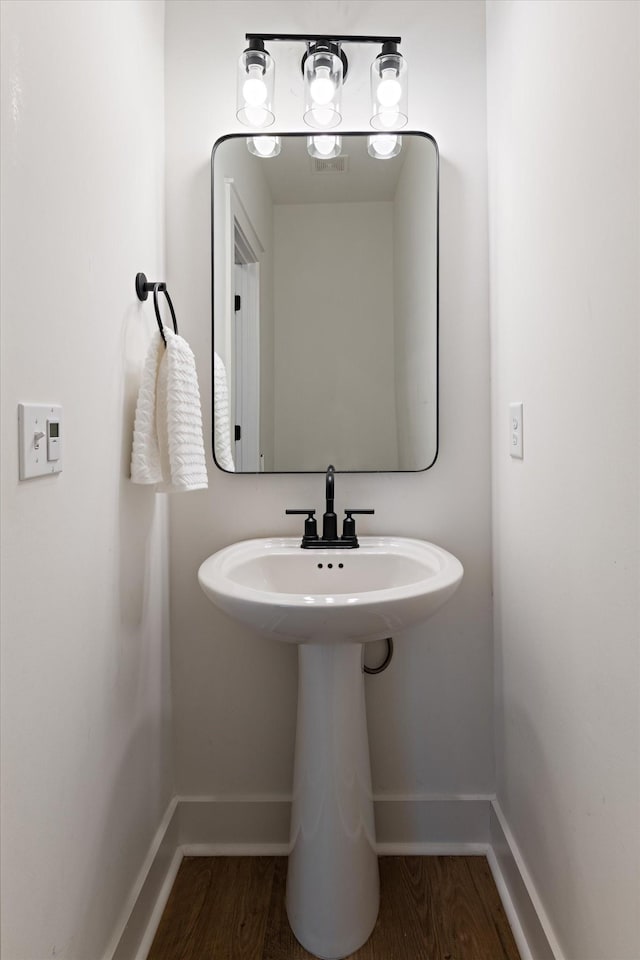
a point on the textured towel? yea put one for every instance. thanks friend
(168, 447)
(222, 429)
(145, 456)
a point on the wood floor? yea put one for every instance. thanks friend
(431, 908)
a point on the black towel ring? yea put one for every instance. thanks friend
(143, 287)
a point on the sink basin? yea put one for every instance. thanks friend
(330, 596)
(330, 602)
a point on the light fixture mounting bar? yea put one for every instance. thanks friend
(316, 37)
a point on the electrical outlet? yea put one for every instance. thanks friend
(515, 430)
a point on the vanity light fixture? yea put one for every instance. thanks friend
(324, 69)
(264, 146)
(324, 146)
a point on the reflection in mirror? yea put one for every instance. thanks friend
(325, 304)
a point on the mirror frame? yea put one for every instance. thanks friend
(342, 133)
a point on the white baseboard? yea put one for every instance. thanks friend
(523, 906)
(259, 826)
(142, 903)
(430, 823)
(150, 928)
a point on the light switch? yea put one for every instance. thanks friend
(40, 439)
(515, 430)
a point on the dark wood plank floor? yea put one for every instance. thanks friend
(431, 908)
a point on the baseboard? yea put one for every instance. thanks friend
(259, 826)
(153, 883)
(241, 822)
(428, 825)
(530, 924)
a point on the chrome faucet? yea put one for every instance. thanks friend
(329, 538)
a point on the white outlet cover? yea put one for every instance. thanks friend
(32, 421)
(515, 431)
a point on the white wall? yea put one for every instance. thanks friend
(564, 233)
(235, 693)
(334, 356)
(85, 685)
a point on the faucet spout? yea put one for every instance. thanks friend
(329, 487)
(329, 519)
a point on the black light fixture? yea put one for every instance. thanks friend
(324, 69)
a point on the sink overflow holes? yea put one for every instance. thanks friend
(330, 566)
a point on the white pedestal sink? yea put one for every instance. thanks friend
(330, 602)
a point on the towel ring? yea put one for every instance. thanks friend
(143, 287)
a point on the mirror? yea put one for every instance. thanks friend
(325, 306)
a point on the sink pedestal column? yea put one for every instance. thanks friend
(332, 882)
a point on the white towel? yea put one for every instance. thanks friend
(168, 447)
(145, 456)
(222, 429)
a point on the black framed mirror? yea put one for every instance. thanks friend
(325, 302)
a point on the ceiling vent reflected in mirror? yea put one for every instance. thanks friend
(334, 165)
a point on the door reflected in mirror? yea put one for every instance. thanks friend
(325, 303)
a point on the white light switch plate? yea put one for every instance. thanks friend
(32, 434)
(515, 430)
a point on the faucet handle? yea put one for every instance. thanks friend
(349, 525)
(310, 525)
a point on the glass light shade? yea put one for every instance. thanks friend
(389, 91)
(324, 146)
(322, 89)
(384, 146)
(265, 146)
(255, 89)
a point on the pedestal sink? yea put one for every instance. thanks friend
(330, 602)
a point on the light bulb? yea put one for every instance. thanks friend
(256, 116)
(324, 145)
(265, 145)
(388, 119)
(323, 117)
(384, 144)
(322, 87)
(389, 89)
(254, 89)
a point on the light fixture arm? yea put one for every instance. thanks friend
(317, 37)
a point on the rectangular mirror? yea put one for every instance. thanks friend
(325, 305)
